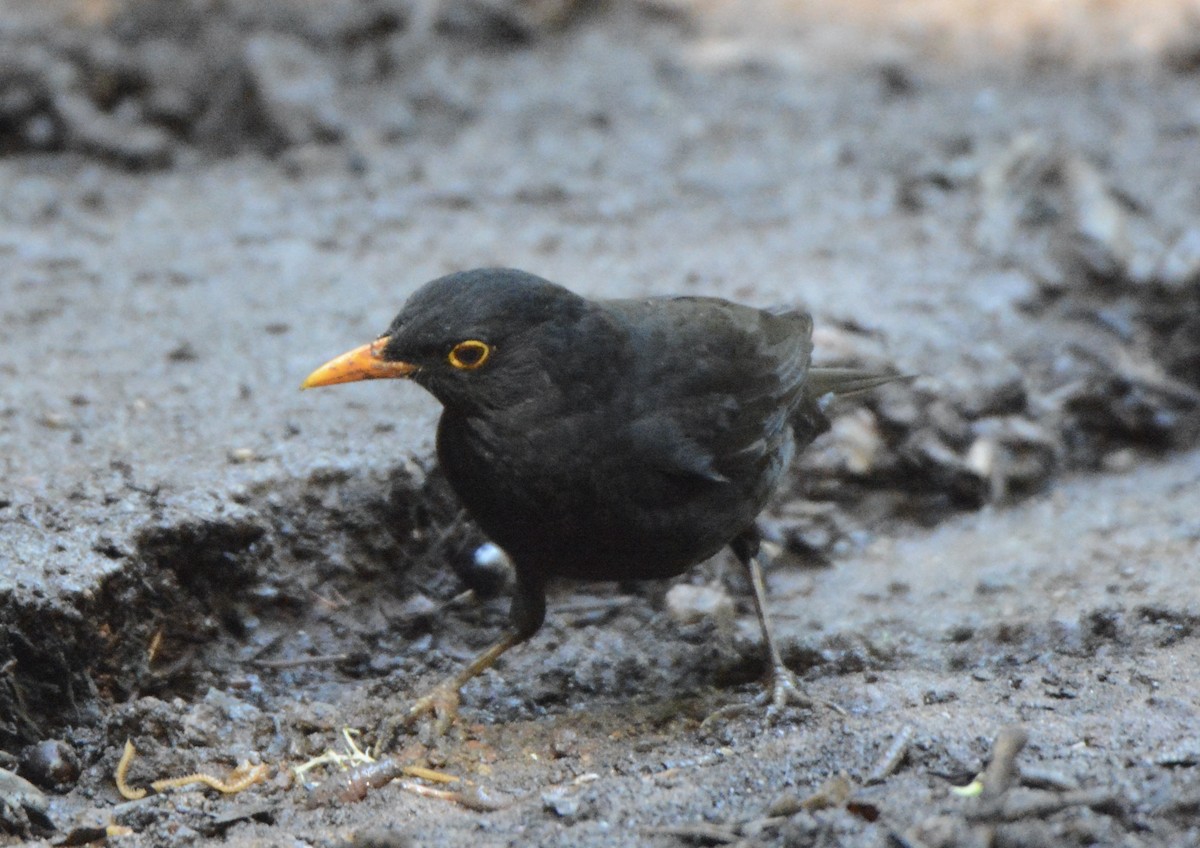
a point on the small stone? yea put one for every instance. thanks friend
(565, 743)
(55, 421)
(419, 609)
(687, 604)
(1185, 754)
(1120, 461)
(858, 437)
(237, 456)
(1096, 241)
(568, 803)
(565, 806)
(296, 89)
(183, 352)
(18, 792)
(834, 792)
(51, 764)
(1012, 454)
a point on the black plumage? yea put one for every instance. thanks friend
(604, 439)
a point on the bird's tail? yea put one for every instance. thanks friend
(808, 418)
(848, 381)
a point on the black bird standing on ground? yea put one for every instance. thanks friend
(604, 439)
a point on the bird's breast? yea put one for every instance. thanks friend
(566, 496)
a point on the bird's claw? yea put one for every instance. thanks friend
(780, 692)
(441, 701)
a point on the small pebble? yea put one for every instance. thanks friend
(565, 744)
(18, 792)
(687, 604)
(52, 764)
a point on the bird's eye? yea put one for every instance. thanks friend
(469, 355)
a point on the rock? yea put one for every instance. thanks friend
(295, 88)
(565, 743)
(1056, 215)
(18, 792)
(568, 803)
(858, 438)
(1014, 455)
(687, 604)
(21, 804)
(48, 96)
(240, 456)
(1093, 237)
(52, 764)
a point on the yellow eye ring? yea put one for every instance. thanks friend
(469, 355)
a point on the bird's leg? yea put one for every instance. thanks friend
(442, 700)
(782, 688)
(527, 613)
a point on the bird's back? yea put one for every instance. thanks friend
(727, 377)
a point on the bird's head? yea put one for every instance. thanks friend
(481, 339)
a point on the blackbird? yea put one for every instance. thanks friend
(604, 439)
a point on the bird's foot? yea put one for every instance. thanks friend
(783, 691)
(441, 701)
(780, 692)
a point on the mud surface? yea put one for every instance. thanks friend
(197, 208)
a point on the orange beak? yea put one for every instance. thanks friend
(362, 363)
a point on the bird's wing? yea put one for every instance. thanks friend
(715, 384)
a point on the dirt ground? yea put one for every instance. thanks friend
(989, 570)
